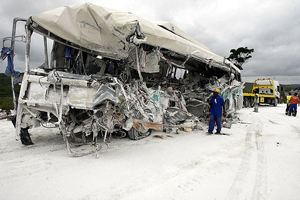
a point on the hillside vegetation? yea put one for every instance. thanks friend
(6, 99)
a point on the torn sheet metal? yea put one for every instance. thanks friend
(148, 61)
(105, 93)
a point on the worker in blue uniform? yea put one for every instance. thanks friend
(216, 105)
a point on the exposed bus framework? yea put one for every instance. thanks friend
(115, 73)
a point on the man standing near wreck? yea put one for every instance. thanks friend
(294, 103)
(216, 105)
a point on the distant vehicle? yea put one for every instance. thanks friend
(268, 90)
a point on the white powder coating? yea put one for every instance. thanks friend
(258, 160)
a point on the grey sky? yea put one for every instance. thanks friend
(271, 28)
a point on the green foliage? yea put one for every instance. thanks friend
(6, 103)
(245, 90)
(288, 88)
(240, 56)
(6, 99)
(282, 96)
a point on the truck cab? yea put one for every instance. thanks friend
(268, 90)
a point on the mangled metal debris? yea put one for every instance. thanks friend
(114, 74)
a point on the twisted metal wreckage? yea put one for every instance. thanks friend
(113, 73)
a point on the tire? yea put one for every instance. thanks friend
(137, 135)
(252, 102)
(246, 102)
(275, 102)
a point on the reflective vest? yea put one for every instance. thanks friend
(294, 99)
(288, 99)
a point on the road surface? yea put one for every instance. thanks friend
(258, 159)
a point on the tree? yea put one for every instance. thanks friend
(240, 56)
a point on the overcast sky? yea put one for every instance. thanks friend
(271, 28)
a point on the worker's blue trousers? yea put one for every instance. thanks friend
(293, 107)
(212, 121)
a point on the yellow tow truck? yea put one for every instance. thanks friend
(268, 90)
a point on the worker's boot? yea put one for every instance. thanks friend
(295, 113)
(289, 113)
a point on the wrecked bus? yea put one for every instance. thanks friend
(108, 73)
